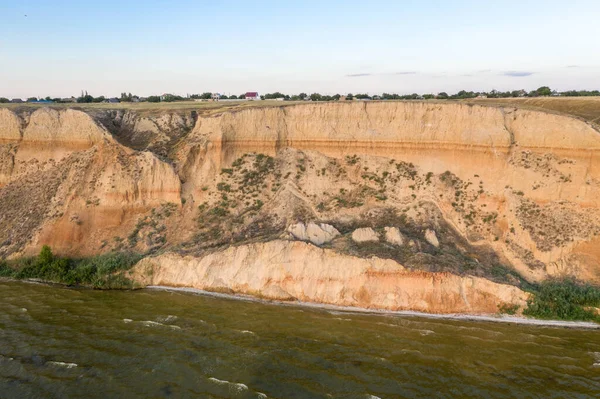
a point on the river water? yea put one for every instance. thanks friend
(67, 343)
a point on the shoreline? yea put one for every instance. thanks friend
(400, 313)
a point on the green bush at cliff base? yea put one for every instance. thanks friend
(103, 271)
(564, 300)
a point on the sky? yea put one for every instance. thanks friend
(59, 48)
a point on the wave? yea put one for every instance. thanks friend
(63, 364)
(150, 323)
(166, 319)
(236, 386)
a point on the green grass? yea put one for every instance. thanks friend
(105, 271)
(564, 300)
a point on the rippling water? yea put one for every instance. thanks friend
(57, 342)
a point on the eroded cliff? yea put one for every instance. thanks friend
(477, 195)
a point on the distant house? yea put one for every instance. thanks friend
(481, 96)
(68, 100)
(215, 96)
(113, 100)
(252, 95)
(16, 100)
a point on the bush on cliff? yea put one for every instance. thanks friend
(564, 300)
(103, 271)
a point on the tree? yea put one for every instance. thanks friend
(302, 96)
(45, 256)
(443, 95)
(242, 96)
(126, 97)
(315, 97)
(99, 99)
(32, 99)
(153, 99)
(85, 98)
(4, 100)
(428, 96)
(543, 91)
(349, 96)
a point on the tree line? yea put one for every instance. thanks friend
(462, 94)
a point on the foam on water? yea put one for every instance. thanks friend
(236, 386)
(150, 323)
(166, 319)
(63, 364)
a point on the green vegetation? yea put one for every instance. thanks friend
(564, 300)
(506, 308)
(105, 271)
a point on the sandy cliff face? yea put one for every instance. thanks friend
(535, 171)
(287, 270)
(69, 184)
(464, 139)
(509, 194)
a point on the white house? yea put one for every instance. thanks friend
(252, 95)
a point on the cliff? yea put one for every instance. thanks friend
(486, 197)
(284, 270)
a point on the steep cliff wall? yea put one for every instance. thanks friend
(464, 139)
(69, 184)
(512, 194)
(287, 270)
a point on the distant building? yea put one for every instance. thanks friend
(16, 100)
(113, 100)
(481, 96)
(68, 100)
(252, 95)
(215, 96)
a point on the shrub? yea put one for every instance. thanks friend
(102, 271)
(565, 300)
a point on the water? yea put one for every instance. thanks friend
(57, 343)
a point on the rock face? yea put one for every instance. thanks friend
(364, 234)
(432, 238)
(76, 184)
(318, 234)
(500, 185)
(393, 236)
(287, 269)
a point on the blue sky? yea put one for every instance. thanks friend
(61, 47)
